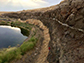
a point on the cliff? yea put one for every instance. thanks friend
(65, 22)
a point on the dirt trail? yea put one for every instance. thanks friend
(66, 28)
(41, 56)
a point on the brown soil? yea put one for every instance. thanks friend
(65, 22)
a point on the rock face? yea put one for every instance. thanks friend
(66, 27)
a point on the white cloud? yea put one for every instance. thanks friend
(40, 1)
(14, 5)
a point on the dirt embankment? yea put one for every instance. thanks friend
(40, 52)
(66, 27)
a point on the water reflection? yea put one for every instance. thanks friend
(10, 36)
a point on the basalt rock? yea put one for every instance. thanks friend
(66, 27)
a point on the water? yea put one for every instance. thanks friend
(10, 36)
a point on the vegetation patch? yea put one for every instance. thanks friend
(4, 23)
(20, 24)
(9, 54)
(24, 31)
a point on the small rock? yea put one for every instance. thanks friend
(53, 18)
(36, 48)
(35, 54)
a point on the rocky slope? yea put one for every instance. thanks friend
(66, 27)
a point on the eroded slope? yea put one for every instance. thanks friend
(66, 27)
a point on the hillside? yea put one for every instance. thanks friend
(65, 22)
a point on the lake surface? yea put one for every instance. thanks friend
(10, 36)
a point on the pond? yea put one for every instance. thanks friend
(10, 36)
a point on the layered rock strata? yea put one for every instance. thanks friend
(66, 28)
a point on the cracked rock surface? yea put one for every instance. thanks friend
(65, 22)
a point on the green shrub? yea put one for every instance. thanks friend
(26, 46)
(7, 56)
(24, 31)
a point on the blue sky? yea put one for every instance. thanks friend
(17, 5)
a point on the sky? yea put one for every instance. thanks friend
(18, 5)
